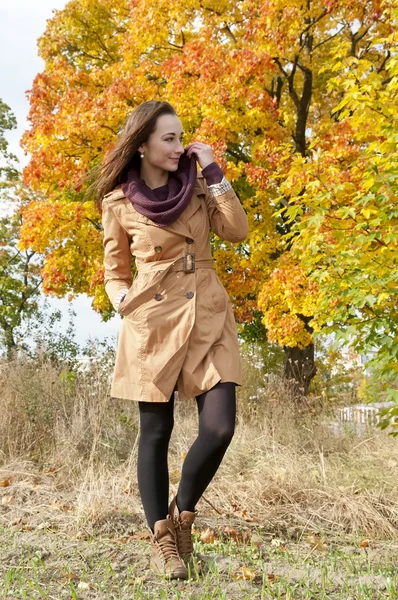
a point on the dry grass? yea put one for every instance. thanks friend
(68, 451)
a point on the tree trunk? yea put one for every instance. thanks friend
(300, 364)
(9, 343)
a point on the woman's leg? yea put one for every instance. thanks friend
(217, 412)
(156, 424)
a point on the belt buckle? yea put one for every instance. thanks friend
(185, 262)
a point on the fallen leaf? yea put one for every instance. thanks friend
(364, 543)
(136, 581)
(119, 540)
(277, 542)
(142, 535)
(59, 506)
(271, 577)
(256, 540)
(233, 533)
(128, 489)
(83, 585)
(317, 543)
(8, 500)
(244, 573)
(5, 483)
(246, 517)
(66, 578)
(207, 536)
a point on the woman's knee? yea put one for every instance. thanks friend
(219, 437)
(159, 432)
(156, 423)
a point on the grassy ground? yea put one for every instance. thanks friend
(296, 511)
(44, 564)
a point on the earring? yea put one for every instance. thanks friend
(142, 156)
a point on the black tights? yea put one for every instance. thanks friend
(217, 411)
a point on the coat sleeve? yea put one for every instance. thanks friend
(227, 217)
(117, 256)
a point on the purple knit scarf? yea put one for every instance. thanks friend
(180, 190)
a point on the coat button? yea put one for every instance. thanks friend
(189, 240)
(189, 294)
(158, 297)
(158, 249)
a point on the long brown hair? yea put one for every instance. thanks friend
(136, 131)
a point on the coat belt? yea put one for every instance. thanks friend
(187, 263)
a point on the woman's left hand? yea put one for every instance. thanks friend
(204, 153)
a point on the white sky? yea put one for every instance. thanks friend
(21, 23)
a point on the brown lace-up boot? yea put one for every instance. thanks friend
(183, 527)
(166, 560)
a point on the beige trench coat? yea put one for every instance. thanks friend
(178, 330)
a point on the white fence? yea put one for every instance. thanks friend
(362, 413)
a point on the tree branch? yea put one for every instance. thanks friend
(310, 25)
(327, 39)
(229, 33)
(383, 64)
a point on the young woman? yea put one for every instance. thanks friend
(178, 331)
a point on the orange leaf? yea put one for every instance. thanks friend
(207, 536)
(233, 533)
(365, 543)
(5, 483)
(246, 517)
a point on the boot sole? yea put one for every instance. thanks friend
(181, 573)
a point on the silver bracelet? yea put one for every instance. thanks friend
(220, 188)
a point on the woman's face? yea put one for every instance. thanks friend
(164, 146)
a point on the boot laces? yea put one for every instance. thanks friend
(167, 546)
(185, 544)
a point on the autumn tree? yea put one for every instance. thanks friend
(20, 279)
(260, 80)
(8, 160)
(347, 234)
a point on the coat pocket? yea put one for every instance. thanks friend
(215, 297)
(135, 295)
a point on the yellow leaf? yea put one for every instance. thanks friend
(244, 573)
